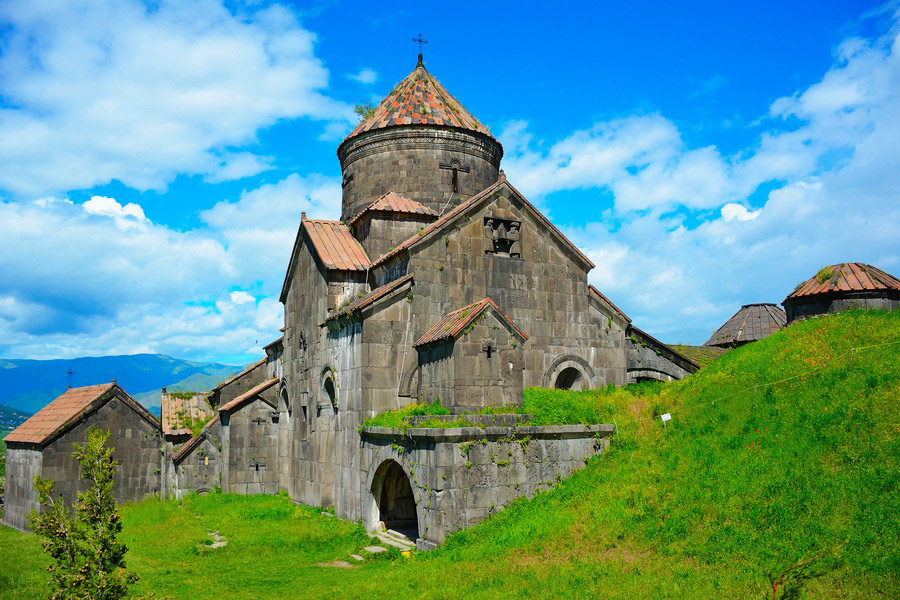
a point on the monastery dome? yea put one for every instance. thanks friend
(843, 286)
(421, 143)
(752, 322)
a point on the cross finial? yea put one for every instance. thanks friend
(420, 41)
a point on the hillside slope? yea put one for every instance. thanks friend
(11, 418)
(781, 462)
(28, 385)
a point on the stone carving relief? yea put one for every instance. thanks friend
(502, 237)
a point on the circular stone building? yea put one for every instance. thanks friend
(421, 144)
(843, 286)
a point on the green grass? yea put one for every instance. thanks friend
(400, 418)
(780, 450)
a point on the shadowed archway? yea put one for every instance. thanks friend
(394, 497)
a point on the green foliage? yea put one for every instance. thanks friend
(782, 465)
(88, 561)
(824, 274)
(399, 418)
(363, 110)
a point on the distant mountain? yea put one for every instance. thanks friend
(29, 385)
(11, 418)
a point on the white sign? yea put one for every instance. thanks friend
(666, 417)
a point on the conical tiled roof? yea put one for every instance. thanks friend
(847, 277)
(752, 322)
(419, 99)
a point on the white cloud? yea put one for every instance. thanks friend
(739, 212)
(365, 76)
(836, 173)
(241, 297)
(126, 217)
(117, 89)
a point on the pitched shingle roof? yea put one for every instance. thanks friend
(393, 202)
(751, 322)
(335, 245)
(419, 99)
(178, 412)
(248, 395)
(847, 277)
(371, 297)
(452, 324)
(66, 410)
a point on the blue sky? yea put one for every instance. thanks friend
(155, 157)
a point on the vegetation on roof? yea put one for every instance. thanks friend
(781, 464)
(702, 355)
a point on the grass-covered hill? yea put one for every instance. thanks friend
(781, 463)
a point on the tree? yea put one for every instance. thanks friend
(88, 560)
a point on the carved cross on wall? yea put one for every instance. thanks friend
(259, 421)
(487, 347)
(457, 168)
(256, 466)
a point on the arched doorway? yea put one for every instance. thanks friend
(395, 501)
(569, 378)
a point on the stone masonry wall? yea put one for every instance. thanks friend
(250, 449)
(462, 476)
(23, 464)
(544, 292)
(201, 469)
(408, 160)
(799, 308)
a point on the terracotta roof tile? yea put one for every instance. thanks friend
(455, 322)
(751, 322)
(371, 297)
(248, 395)
(419, 99)
(66, 410)
(393, 202)
(335, 245)
(178, 412)
(846, 277)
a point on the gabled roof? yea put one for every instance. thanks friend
(606, 300)
(248, 395)
(751, 322)
(392, 202)
(237, 376)
(192, 443)
(335, 245)
(436, 227)
(419, 99)
(454, 323)
(632, 330)
(66, 410)
(846, 277)
(177, 412)
(371, 297)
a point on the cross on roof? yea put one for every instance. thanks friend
(420, 41)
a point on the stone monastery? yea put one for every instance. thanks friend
(440, 282)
